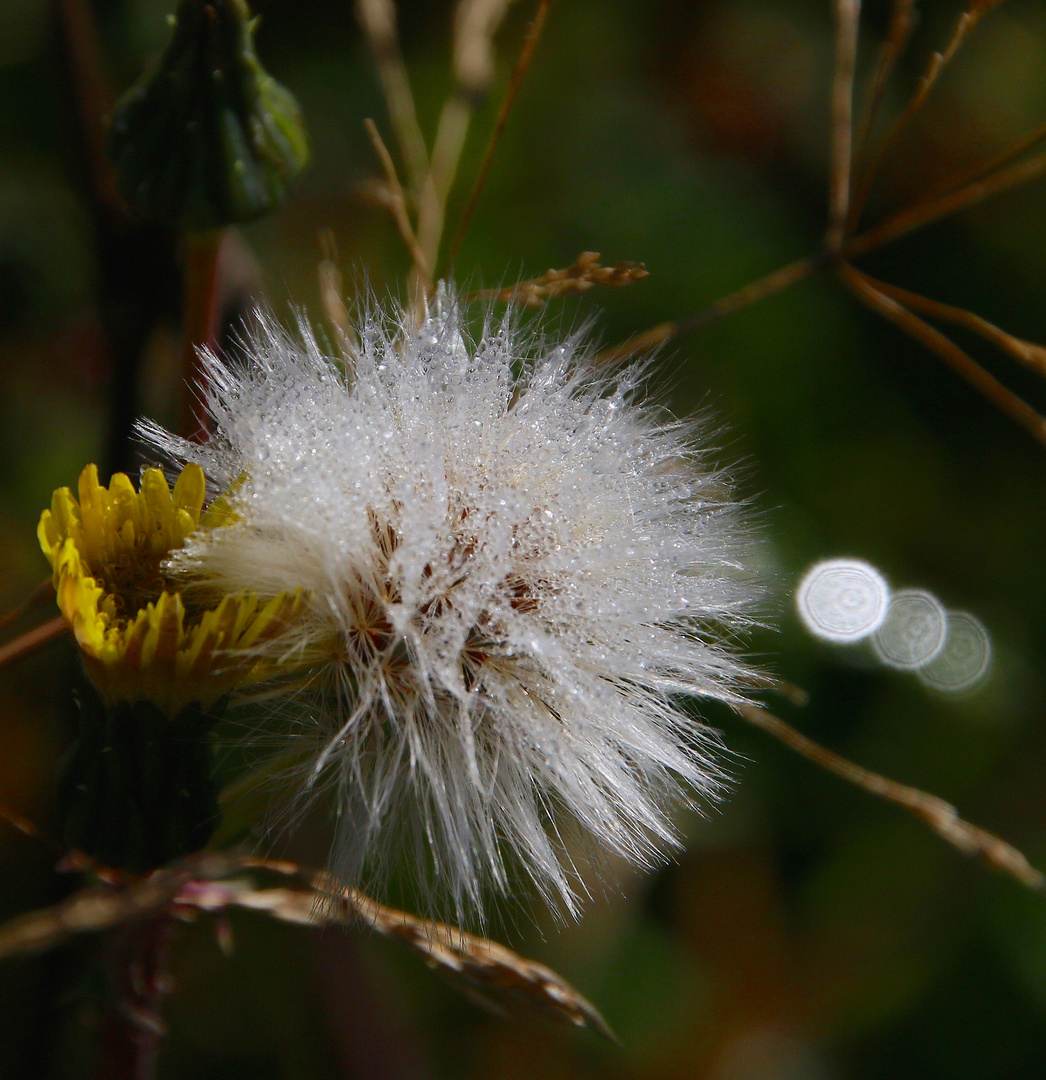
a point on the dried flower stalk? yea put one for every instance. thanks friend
(206, 882)
(519, 71)
(863, 287)
(378, 19)
(941, 816)
(847, 14)
(573, 280)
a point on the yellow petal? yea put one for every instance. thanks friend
(134, 640)
(190, 490)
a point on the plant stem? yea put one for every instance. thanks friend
(941, 816)
(202, 254)
(133, 1028)
(526, 56)
(847, 13)
(774, 282)
(32, 640)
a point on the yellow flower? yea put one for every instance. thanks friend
(138, 638)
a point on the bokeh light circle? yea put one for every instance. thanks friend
(842, 600)
(913, 632)
(965, 658)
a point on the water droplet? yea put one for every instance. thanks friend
(913, 632)
(965, 658)
(842, 600)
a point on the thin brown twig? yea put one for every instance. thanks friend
(478, 966)
(378, 19)
(902, 21)
(796, 695)
(102, 907)
(331, 290)
(42, 591)
(29, 828)
(774, 282)
(397, 204)
(862, 286)
(69, 859)
(1026, 351)
(214, 882)
(938, 62)
(32, 640)
(519, 71)
(475, 24)
(201, 314)
(847, 17)
(921, 214)
(988, 167)
(907, 220)
(941, 816)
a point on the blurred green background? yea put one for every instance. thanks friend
(807, 932)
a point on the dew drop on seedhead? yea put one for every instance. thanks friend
(842, 600)
(965, 658)
(913, 632)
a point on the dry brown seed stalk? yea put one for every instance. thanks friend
(102, 907)
(474, 964)
(847, 14)
(988, 167)
(331, 291)
(902, 21)
(29, 828)
(1026, 351)
(941, 816)
(519, 71)
(475, 23)
(965, 25)
(907, 220)
(378, 19)
(863, 288)
(477, 966)
(573, 280)
(774, 282)
(969, 188)
(921, 214)
(395, 202)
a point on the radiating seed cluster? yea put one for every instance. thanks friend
(517, 576)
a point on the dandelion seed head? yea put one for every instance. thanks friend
(516, 573)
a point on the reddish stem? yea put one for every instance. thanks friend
(133, 1027)
(31, 640)
(202, 253)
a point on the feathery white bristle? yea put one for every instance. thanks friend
(515, 573)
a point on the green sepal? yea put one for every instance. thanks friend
(207, 138)
(137, 789)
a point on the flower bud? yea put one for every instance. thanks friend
(207, 138)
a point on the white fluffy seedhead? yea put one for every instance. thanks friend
(516, 575)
